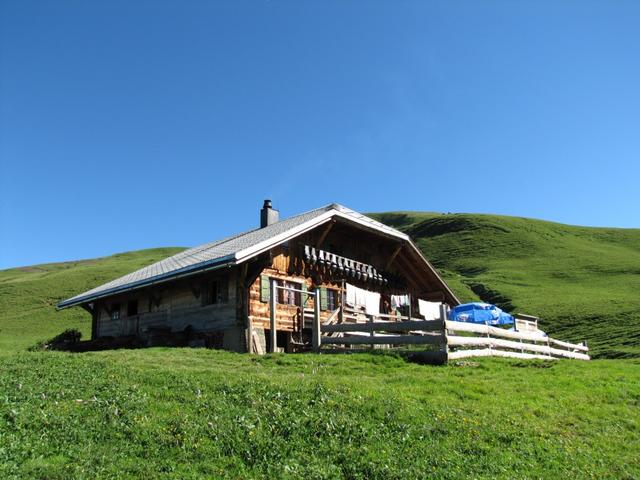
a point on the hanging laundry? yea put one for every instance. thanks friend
(372, 303)
(399, 301)
(429, 310)
(358, 297)
(355, 296)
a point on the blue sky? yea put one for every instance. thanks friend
(136, 124)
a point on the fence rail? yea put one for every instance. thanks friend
(401, 326)
(385, 340)
(455, 339)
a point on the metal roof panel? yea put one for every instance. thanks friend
(228, 250)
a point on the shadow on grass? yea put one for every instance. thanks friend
(70, 341)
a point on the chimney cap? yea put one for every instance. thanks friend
(267, 204)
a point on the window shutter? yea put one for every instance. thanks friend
(323, 299)
(264, 288)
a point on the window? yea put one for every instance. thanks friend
(132, 308)
(287, 297)
(265, 291)
(328, 299)
(115, 311)
(217, 292)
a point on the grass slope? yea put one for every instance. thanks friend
(583, 282)
(28, 295)
(180, 413)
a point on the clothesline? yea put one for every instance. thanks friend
(359, 297)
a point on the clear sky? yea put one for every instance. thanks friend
(134, 124)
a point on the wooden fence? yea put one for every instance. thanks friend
(453, 339)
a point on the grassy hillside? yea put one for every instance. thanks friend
(583, 282)
(28, 295)
(180, 413)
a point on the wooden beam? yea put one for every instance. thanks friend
(315, 330)
(494, 331)
(94, 310)
(570, 346)
(426, 276)
(453, 340)
(385, 340)
(433, 296)
(242, 306)
(244, 268)
(488, 352)
(254, 269)
(414, 276)
(273, 292)
(324, 233)
(426, 325)
(88, 307)
(393, 257)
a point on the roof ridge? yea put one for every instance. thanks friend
(220, 252)
(217, 243)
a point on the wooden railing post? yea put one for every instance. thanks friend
(373, 333)
(315, 330)
(443, 318)
(273, 297)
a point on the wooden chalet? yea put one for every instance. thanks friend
(219, 294)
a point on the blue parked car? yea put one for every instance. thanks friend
(483, 313)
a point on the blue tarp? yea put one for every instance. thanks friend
(478, 312)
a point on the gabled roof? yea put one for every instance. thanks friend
(231, 251)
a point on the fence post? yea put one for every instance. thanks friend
(489, 336)
(372, 334)
(315, 330)
(273, 293)
(342, 303)
(443, 318)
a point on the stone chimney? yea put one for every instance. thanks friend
(268, 215)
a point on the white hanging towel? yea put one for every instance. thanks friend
(372, 303)
(429, 310)
(399, 301)
(350, 295)
(355, 296)
(358, 297)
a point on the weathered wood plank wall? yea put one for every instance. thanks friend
(175, 306)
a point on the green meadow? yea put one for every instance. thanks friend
(195, 413)
(583, 283)
(28, 295)
(181, 413)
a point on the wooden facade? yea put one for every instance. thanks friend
(329, 277)
(219, 295)
(230, 308)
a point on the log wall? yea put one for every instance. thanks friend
(174, 306)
